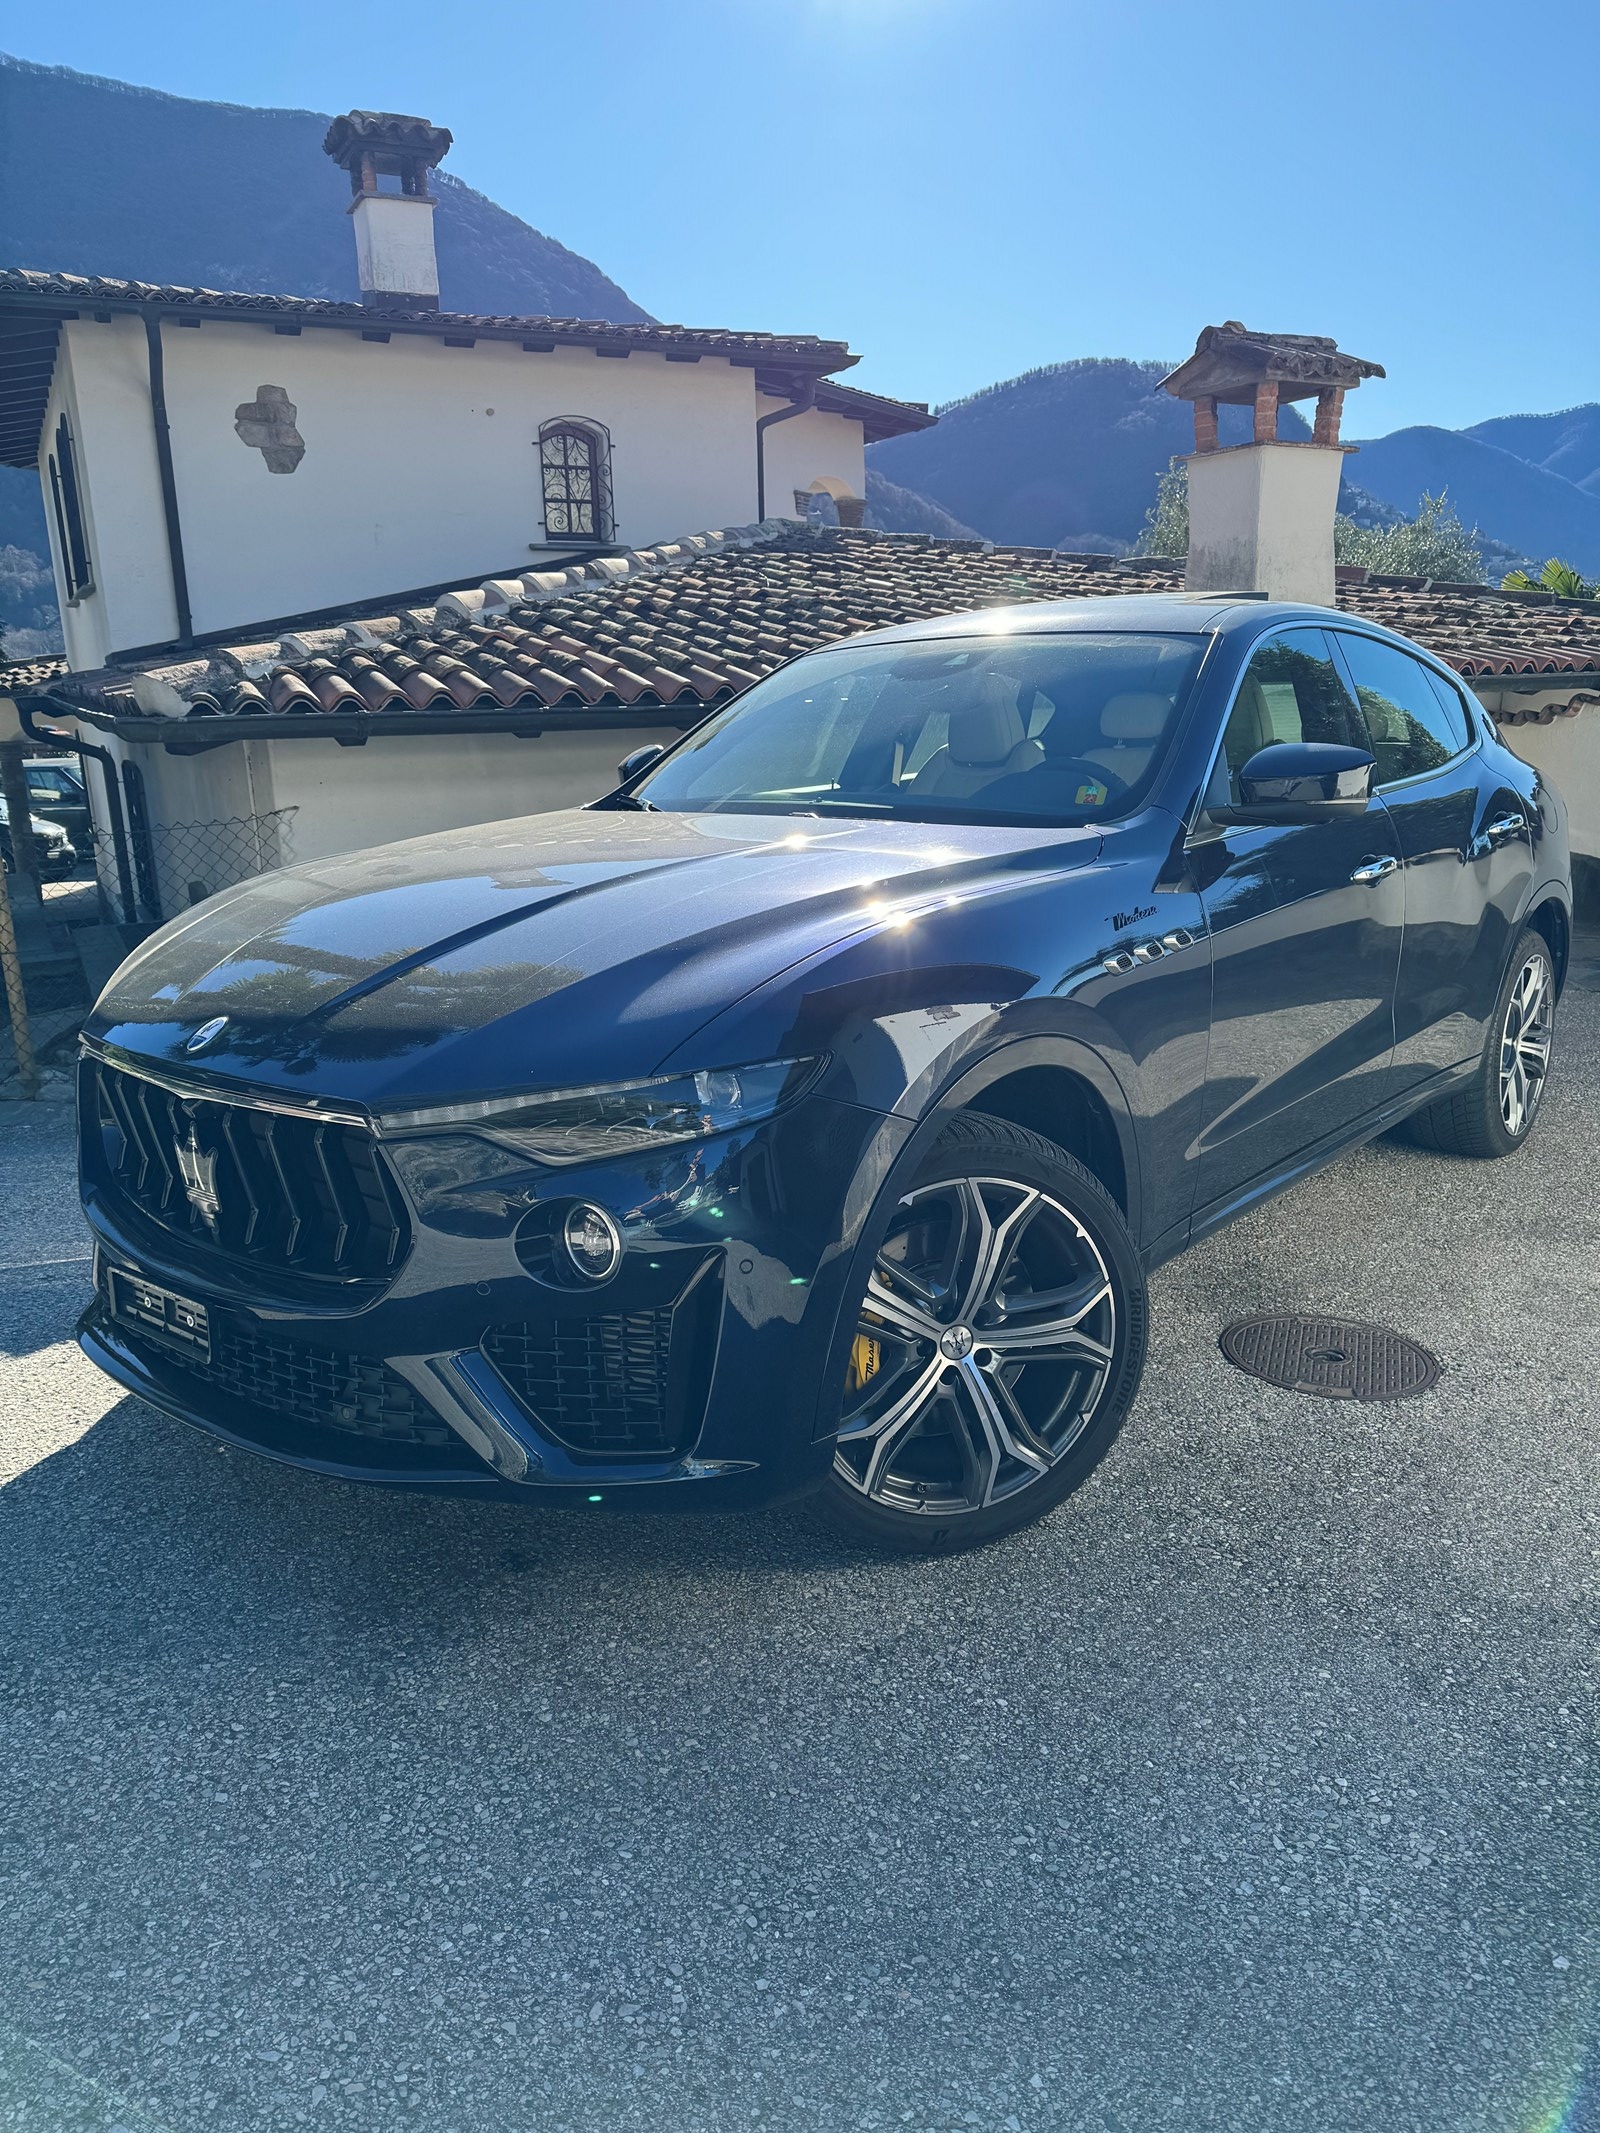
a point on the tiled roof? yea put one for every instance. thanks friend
(17, 675)
(33, 304)
(1231, 358)
(662, 634)
(668, 630)
(68, 292)
(879, 417)
(1485, 634)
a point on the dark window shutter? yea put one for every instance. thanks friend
(68, 501)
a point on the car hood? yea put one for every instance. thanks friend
(552, 949)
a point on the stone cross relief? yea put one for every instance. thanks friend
(266, 424)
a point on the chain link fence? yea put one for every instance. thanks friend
(176, 864)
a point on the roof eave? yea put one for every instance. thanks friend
(352, 729)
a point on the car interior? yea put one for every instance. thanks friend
(1021, 735)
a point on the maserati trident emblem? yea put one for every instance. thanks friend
(207, 1033)
(198, 1169)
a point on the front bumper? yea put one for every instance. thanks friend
(469, 1376)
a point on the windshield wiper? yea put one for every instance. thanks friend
(627, 799)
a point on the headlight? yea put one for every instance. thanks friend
(620, 1117)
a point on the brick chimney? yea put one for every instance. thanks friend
(1261, 514)
(389, 157)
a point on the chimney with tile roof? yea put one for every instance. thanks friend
(389, 156)
(1261, 514)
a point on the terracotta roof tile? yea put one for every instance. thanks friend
(806, 351)
(692, 622)
(19, 674)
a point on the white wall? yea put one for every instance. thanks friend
(420, 465)
(102, 382)
(809, 448)
(346, 799)
(1567, 752)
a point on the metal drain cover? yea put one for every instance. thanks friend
(1338, 1358)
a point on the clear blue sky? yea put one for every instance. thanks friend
(965, 188)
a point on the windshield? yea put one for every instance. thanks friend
(1062, 729)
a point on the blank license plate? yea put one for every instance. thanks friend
(174, 1318)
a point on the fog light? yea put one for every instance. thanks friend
(593, 1241)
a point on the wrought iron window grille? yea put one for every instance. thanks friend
(575, 474)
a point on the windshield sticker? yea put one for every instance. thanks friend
(1091, 793)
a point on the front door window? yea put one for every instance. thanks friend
(1291, 691)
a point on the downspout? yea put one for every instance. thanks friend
(169, 486)
(108, 768)
(802, 404)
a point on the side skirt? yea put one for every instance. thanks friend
(1221, 1212)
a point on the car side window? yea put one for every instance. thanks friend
(1291, 691)
(1413, 728)
(1455, 708)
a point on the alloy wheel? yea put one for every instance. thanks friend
(985, 1342)
(1525, 1045)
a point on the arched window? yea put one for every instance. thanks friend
(575, 469)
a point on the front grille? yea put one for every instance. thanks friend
(616, 1383)
(297, 1194)
(320, 1388)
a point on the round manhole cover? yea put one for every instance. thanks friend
(1340, 1358)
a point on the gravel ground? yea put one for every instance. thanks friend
(1256, 1790)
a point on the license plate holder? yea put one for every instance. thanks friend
(178, 1320)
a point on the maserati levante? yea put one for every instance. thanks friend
(807, 1115)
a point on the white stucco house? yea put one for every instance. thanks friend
(220, 467)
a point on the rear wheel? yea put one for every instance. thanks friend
(1493, 1114)
(998, 1345)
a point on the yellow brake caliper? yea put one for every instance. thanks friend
(866, 1360)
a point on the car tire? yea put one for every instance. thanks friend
(1493, 1114)
(949, 1438)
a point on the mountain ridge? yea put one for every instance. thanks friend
(101, 176)
(1070, 449)
(249, 202)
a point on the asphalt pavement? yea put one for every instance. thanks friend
(1256, 1790)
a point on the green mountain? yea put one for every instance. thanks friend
(1068, 456)
(1524, 504)
(97, 177)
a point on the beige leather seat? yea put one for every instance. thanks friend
(1130, 727)
(987, 740)
(1249, 725)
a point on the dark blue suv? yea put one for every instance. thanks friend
(809, 1113)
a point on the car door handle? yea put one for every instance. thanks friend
(1493, 834)
(1375, 869)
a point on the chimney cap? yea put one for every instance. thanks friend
(1230, 361)
(390, 137)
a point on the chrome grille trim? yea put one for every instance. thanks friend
(197, 1088)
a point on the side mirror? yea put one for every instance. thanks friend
(1301, 781)
(633, 766)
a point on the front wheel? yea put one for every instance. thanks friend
(1493, 1114)
(998, 1345)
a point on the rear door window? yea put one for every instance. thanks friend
(1414, 726)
